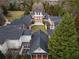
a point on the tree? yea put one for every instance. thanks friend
(2, 19)
(55, 10)
(5, 10)
(2, 55)
(27, 6)
(63, 42)
(76, 14)
(70, 5)
(27, 10)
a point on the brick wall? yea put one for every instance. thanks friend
(36, 56)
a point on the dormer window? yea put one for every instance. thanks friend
(26, 45)
(25, 48)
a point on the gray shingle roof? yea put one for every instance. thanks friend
(56, 19)
(24, 20)
(27, 32)
(39, 39)
(12, 32)
(9, 33)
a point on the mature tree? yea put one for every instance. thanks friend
(74, 9)
(63, 42)
(76, 14)
(2, 55)
(27, 10)
(14, 5)
(70, 5)
(2, 19)
(4, 10)
(55, 10)
(27, 6)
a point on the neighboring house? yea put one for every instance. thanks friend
(19, 38)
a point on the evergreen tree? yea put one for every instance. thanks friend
(4, 10)
(1, 55)
(55, 10)
(27, 6)
(63, 42)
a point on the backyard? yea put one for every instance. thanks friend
(13, 15)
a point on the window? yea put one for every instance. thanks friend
(26, 45)
(25, 51)
(39, 57)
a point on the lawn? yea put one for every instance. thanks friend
(13, 15)
(23, 57)
(37, 27)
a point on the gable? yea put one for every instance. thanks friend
(39, 50)
(25, 38)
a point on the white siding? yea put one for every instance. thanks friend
(0, 48)
(25, 38)
(4, 48)
(39, 50)
(13, 44)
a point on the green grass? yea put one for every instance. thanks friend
(13, 15)
(38, 27)
(23, 57)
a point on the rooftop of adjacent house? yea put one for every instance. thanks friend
(24, 20)
(55, 19)
(12, 32)
(39, 40)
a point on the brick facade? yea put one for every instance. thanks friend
(40, 56)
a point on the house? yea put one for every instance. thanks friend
(23, 42)
(37, 17)
(18, 38)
